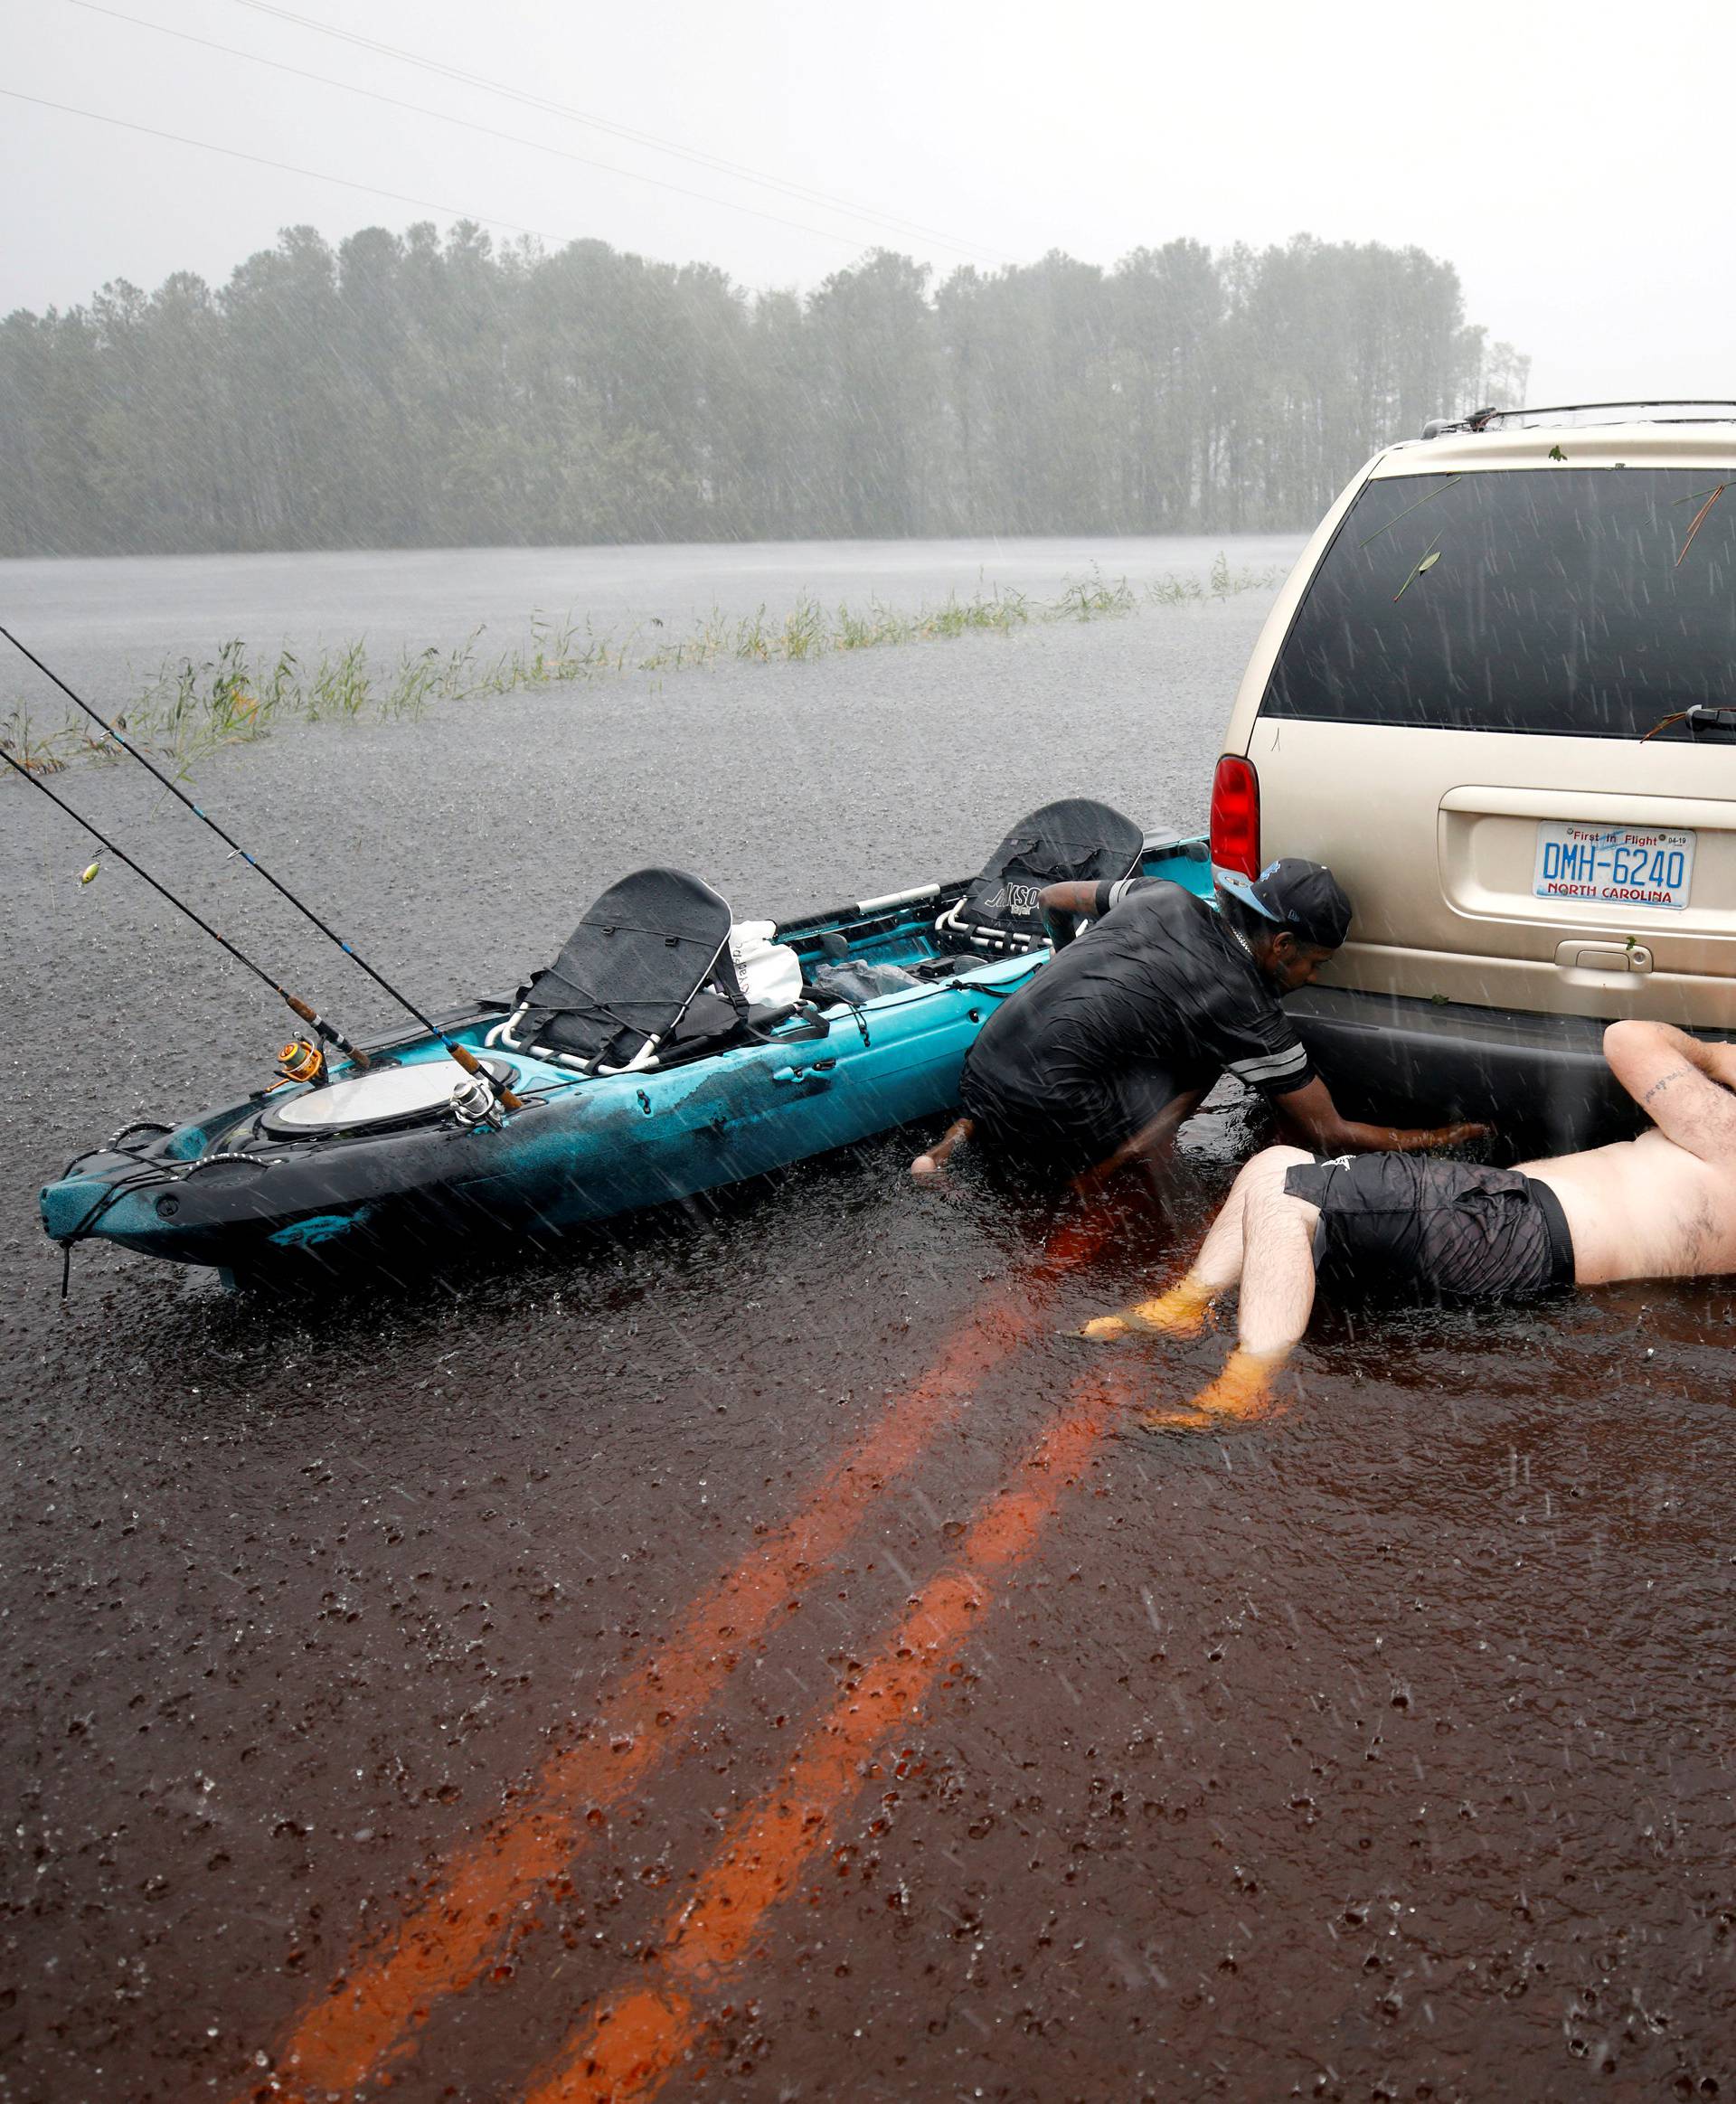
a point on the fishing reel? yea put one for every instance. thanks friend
(301, 1060)
(474, 1101)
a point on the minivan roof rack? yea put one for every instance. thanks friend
(1696, 411)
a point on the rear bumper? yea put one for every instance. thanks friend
(1420, 1062)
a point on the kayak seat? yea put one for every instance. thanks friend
(627, 976)
(656, 973)
(1073, 841)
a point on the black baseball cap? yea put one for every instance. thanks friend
(1303, 896)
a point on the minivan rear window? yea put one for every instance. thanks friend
(1575, 602)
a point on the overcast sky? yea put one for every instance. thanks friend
(1565, 159)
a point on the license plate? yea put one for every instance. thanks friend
(1613, 866)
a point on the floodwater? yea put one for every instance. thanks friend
(114, 622)
(755, 1648)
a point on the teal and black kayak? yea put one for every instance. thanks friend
(403, 1153)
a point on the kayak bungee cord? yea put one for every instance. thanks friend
(328, 1031)
(460, 1053)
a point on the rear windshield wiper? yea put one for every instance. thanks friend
(1700, 717)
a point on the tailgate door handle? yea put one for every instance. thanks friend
(1581, 954)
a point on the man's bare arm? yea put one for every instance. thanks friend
(1061, 906)
(1683, 1085)
(1634, 1045)
(1069, 897)
(1310, 1115)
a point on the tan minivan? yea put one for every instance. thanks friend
(1498, 696)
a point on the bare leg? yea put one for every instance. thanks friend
(1277, 1272)
(928, 1167)
(1150, 1148)
(1182, 1310)
(1277, 1300)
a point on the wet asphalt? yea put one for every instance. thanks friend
(387, 1691)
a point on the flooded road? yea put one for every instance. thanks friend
(115, 620)
(749, 1656)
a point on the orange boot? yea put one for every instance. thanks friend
(1242, 1392)
(1179, 1313)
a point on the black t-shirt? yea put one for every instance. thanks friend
(1157, 999)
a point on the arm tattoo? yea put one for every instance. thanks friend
(1664, 1080)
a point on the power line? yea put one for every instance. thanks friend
(872, 215)
(468, 123)
(283, 167)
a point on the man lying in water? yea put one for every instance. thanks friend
(1094, 1062)
(1661, 1207)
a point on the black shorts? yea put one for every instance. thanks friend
(1062, 1133)
(1401, 1224)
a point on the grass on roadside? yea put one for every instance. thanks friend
(190, 708)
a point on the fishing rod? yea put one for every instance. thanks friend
(461, 1053)
(328, 1031)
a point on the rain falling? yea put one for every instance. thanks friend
(686, 702)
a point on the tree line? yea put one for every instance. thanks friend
(403, 391)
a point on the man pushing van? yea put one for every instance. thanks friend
(1095, 1062)
(1661, 1207)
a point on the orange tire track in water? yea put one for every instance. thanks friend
(634, 2042)
(369, 2016)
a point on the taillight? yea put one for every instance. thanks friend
(1235, 816)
